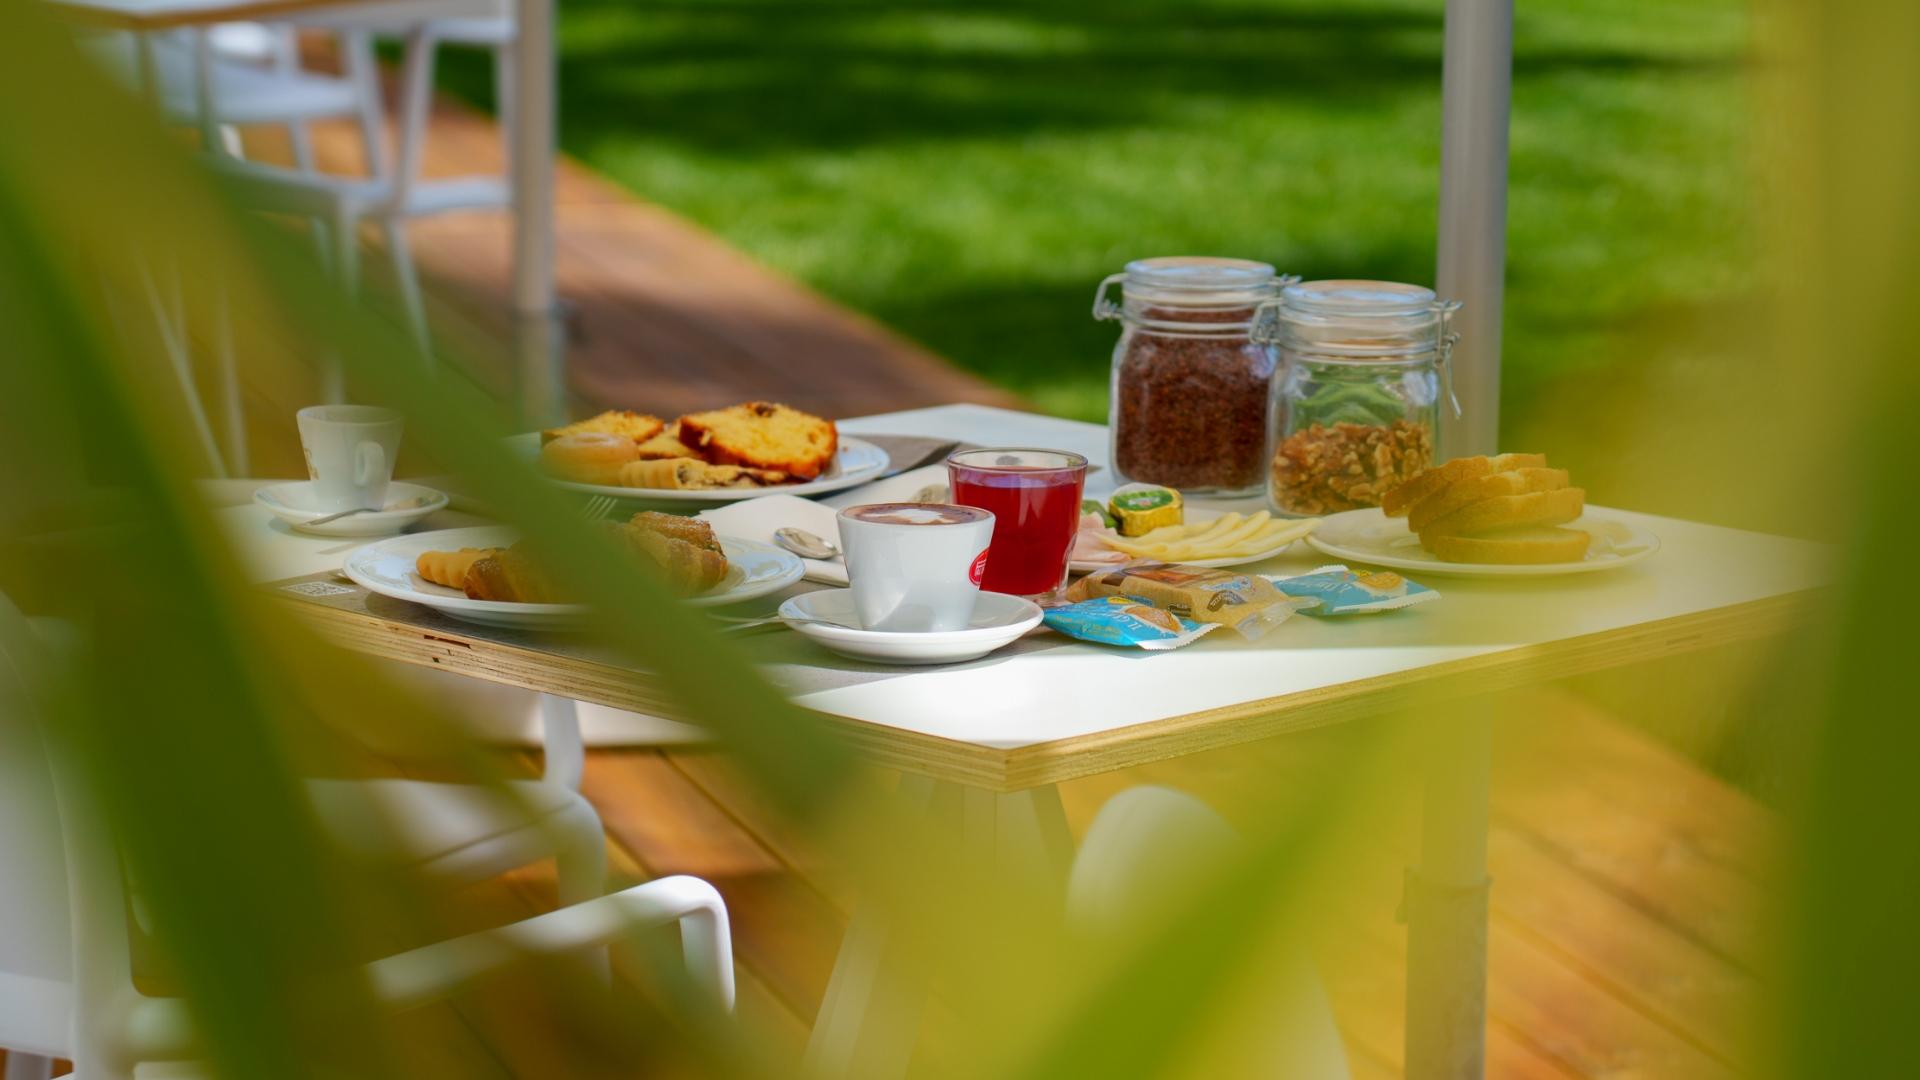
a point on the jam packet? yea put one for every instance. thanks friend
(1247, 602)
(1124, 620)
(1336, 590)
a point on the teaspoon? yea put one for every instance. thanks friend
(805, 544)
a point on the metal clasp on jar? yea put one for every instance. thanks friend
(1105, 310)
(1449, 337)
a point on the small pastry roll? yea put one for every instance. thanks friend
(588, 457)
(449, 568)
(689, 474)
(665, 473)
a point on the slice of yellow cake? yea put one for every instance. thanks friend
(636, 426)
(763, 435)
(666, 444)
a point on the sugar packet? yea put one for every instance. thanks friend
(1336, 590)
(1124, 620)
(1247, 602)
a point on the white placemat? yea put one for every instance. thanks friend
(756, 519)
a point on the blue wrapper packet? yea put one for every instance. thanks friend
(1124, 620)
(1337, 590)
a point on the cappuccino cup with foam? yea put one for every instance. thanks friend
(915, 566)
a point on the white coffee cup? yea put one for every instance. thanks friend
(915, 566)
(350, 453)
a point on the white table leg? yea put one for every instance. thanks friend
(870, 1018)
(1447, 911)
(1018, 844)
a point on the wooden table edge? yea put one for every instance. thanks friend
(243, 11)
(1084, 755)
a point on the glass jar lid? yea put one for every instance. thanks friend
(1198, 281)
(1360, 320)
(1178, 290)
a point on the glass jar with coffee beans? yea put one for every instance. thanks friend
(1191, 389)
(1362, 368)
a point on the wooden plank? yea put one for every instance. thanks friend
(1640, 862)
(734, 793)
(783, 929)
(1639, 776)
(1689, 990)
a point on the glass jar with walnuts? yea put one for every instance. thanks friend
(1356, 397)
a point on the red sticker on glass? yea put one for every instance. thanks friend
(979, 569)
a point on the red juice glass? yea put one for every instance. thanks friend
(1035, 499)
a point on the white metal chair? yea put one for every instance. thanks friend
(66, 978)
(392, 199)
(1142, 854)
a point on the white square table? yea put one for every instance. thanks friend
(997, 734)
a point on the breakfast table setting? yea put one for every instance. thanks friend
(873, 603)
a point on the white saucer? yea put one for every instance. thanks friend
(293, 504)
(997, 620)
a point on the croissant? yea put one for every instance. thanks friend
(449, 568)
(687, 565)
(691, 530)
(692, 474)
(509, 575)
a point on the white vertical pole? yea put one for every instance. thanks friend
(1476, 84)
(532, 165)
(531, 172)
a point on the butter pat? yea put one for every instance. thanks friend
(1141, 508)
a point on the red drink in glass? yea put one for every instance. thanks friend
(1035, 499)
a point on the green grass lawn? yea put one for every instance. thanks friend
(967, 172)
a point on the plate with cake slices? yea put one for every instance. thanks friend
(1504, 515)
(721, 455)
(482, 575)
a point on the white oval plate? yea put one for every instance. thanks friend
(857, 462)
(292, 503)
(753, 569)
(1080, 567)
(1369, 536)
(998, 619)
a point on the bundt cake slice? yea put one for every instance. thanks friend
(763, 435)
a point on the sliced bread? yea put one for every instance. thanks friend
(1475, 489)
(1555, 507)
(636, 426)
(763, 435)
(1527, 544)
(1432, 481)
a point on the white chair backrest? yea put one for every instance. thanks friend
(64, 917)
(35, 937)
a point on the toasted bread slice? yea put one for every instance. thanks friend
(666, 445)
(763, 435)
(1493, 485)
(1432, 481)
(1508, 511)
(637, 426)
(1526, 545)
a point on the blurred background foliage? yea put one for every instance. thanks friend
(967, 172)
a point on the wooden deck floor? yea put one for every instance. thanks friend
(1626, 880)
(1625, 906)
